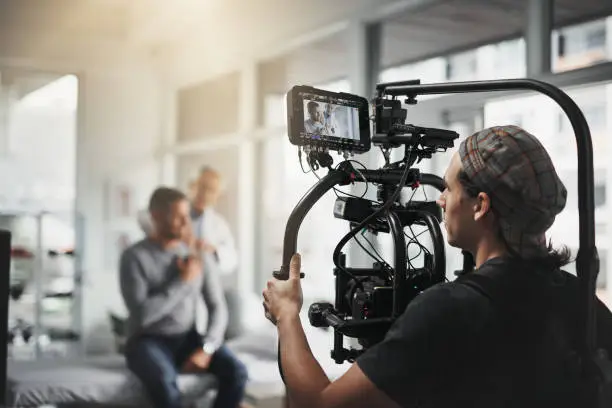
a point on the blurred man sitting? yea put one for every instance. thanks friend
(162, 280)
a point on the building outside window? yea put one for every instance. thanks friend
(580, 45)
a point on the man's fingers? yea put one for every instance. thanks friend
(295, 266)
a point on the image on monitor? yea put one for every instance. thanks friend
(331, 120)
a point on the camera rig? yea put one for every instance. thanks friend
(388, 292)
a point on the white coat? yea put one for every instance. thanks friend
(216, 232)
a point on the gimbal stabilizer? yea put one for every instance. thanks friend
(596, 366)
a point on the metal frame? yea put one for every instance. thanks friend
(5, 267)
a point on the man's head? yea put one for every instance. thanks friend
(313, 111)
(169, 210)
(502, 187)
(208, 189)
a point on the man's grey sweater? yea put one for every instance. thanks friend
(159, 302)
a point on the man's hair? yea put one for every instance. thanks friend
(312, 105)
(555, 258)
(163, 197)
(207, 169)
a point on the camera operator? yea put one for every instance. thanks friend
(512, 345)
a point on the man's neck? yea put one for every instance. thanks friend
(488, 248)
(198, 210)
(166, 243)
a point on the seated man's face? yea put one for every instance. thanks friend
(175, 223)
(208, 191)
(315, 114)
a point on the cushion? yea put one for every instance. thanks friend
(103, 380)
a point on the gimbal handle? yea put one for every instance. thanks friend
(326, 183)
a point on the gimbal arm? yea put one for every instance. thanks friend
(326, 183)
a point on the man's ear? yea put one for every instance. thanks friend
(156, 216)
(482, 206)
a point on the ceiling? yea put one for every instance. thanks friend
(102, 29)
(62, 28)
(431, 29)
(215, 34)
(462, 24)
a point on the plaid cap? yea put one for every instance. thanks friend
(513, 167)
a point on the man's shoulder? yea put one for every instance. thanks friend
(446, 307)
(137, 248)
(450, 294)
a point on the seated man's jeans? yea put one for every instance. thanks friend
(156, 360)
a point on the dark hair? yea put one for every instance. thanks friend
(554, 259)
(163, 197)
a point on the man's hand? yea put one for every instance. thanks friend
(196, 363)
(189, 268)
(283, 299)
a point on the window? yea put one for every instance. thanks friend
(600, 194)
(570, 179)
(602, 278)
(463, 66)
(596, 39)
(428, 71)
(509, 60)
(563, 123)
(580, 45)
(595, 116)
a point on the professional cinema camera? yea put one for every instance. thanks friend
(368, 300)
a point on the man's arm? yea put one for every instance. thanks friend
(146, 307)
(214, 298)
(307, 384)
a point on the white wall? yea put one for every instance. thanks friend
(121, 121)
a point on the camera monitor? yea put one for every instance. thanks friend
(328, 120)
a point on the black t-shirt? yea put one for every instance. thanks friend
(456, 347)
